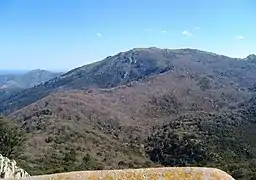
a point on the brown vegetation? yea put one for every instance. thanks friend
(177, 107)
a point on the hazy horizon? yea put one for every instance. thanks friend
(22, 71)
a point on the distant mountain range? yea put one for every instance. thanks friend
(15, 81)
(142, 108)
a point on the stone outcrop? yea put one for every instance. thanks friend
(8, 169)
(172, 173)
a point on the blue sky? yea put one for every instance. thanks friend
(64, 34)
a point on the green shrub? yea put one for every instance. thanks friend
(12, 139)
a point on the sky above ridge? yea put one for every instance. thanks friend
(64, 34)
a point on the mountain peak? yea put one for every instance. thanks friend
(251, 57)
(38, 71)
(125, 67)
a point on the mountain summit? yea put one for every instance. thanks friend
(251, 57)
(138, 64)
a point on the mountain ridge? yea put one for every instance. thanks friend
(142, 108)
(28, 79)
(136, 64)
(12, 83)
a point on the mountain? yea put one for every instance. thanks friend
(13, 83)
(123, 126)
(251, 58)
(142, 108)
(138, 64)
(26, 80)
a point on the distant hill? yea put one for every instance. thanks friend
(141, 108)
(26, 80)
(139, 64)
(13, 83)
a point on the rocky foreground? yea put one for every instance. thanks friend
(173, 173)
(8, 169)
